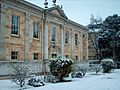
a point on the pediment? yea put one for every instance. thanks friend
(57, 11)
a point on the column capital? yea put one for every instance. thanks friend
(28, 16)
(3, 8)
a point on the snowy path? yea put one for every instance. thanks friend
(89, 82)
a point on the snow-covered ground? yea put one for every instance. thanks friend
(89, 82)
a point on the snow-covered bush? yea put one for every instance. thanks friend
(60, 67)
(51, 78)
(76, 75)
(80, 70)
(108, 65)
(36, 82)
(19, 73)
(95, 68)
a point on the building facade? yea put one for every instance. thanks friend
(29, 33)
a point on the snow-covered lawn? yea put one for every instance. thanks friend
(89, 82)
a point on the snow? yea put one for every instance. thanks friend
(89, 82)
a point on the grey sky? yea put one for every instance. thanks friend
(80, 10)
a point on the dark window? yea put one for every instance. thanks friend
(14, 55)
(66, 56)
(76, 39)
(15, 25)
(36, 56)
(36, 30)
(54, 55)
(53, 36)
(76, 57)
(66, 37)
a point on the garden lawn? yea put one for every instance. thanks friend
(91, 81)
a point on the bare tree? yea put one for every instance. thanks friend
(19, 73)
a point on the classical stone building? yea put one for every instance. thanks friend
(29, 32)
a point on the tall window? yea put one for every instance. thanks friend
(36, 30)
(14, 55)
(15, 25)
(66, 37)
(53, 33)
(36, 56)
(76, 39)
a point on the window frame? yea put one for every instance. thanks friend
(14, 55)
(36, 30)
(76, 39)
(53, 27)
(15, 29)
(66, 37)
(36, 56)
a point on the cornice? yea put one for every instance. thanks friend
(77, 24)
(22, 4)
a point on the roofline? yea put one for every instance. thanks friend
(78, 25)
(27, 4)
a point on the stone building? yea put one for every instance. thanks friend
(29, 32)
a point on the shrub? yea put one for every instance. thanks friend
(108, 65)
(60, 67)
(36, 82)
(95, 68)
(79, 69)
(19, 73)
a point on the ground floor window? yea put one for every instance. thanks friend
(66, 56)
(36, 56)
(14, 55)
(76, 57)
(54, 55)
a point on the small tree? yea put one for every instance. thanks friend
(19, 73)
(60, 67)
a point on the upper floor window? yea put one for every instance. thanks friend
(36, 30)
(36, 56)
(14, 55)
(76, 39)
(53, 33)
(66, 37)
(15, 25)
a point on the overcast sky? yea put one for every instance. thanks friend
(80, 10)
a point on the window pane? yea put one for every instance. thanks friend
(36, 56)
(53, 33)
(36, 30)
(14, 55)
(76, 39)
(15, 25)
(66, 37)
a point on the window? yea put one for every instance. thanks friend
(66, 56)
(14, 55)
(76, 57)
(76, 39)
(36, 30)
(54, 55)
(53, 36)
(36, 56)
(15, 25)
(66, 37)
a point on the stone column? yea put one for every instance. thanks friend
(2, 31)
(27, 37)
(62, 40)
(72, 45)
(87, 46)
(45, 40)
(81, 56)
